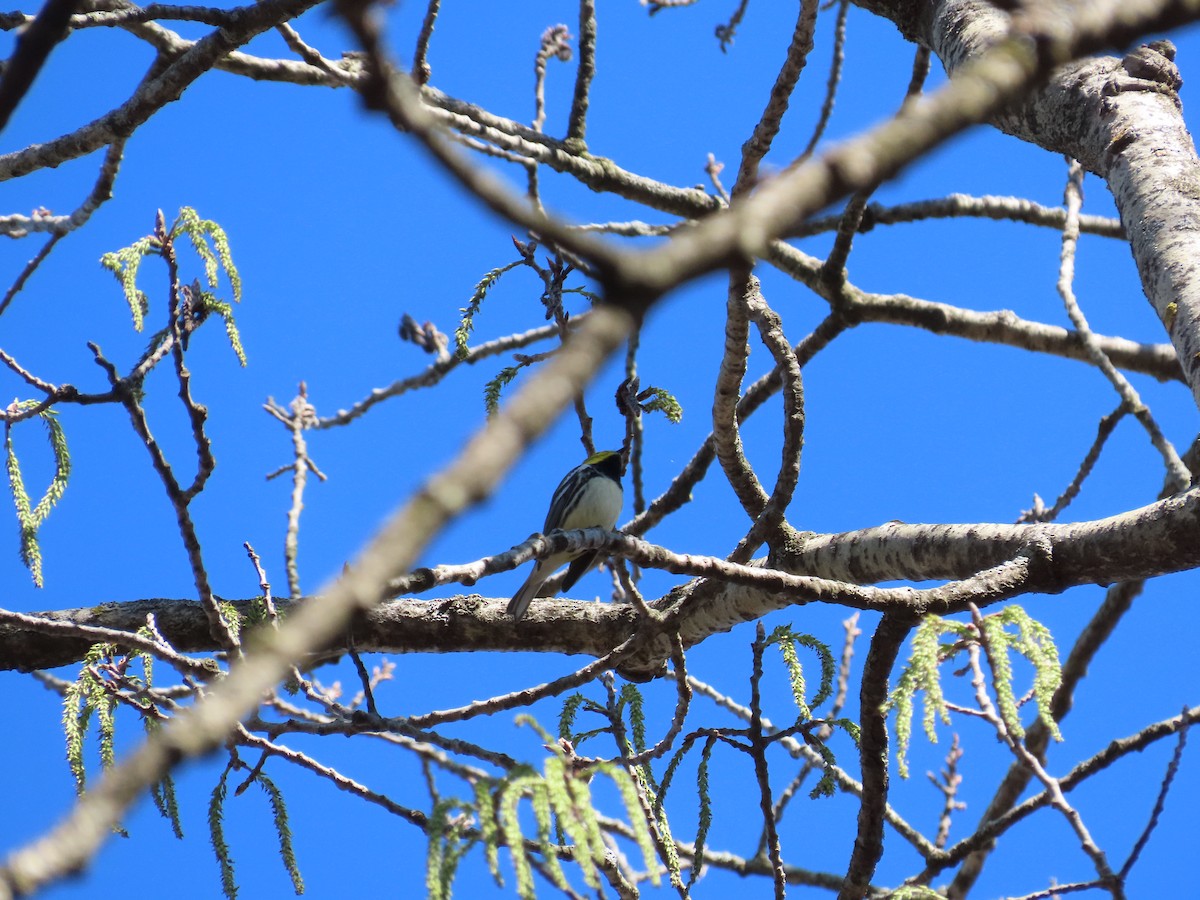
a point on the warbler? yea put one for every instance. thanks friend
(590, 496)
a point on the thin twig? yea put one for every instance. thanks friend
(834, 80)
(577, 124)
(1160, 801)
(948, 786)
(129, 398)
(765, 131)
(1177, 471)
(300, 416)
(421, 70)
(1057, 798)
(263, 584)
(758, 752)
(30, 268)
(955, 206)
(1039, 513)
(368, 693)
(648, 807)
(833, 270)
(853, 632)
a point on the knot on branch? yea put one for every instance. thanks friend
(1039, 551)
(1149, 68)
(1154, 62)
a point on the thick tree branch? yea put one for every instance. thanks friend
(993, 562)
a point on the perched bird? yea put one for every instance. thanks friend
(589, 497)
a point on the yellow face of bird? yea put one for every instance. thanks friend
(608, 462)
(599, 456)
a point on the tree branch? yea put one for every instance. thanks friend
(873, 755)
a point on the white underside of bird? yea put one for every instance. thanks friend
(599, 510)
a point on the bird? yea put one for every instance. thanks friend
(590, 496)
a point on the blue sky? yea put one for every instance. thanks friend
(339, 226)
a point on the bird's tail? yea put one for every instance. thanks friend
(521, 599)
